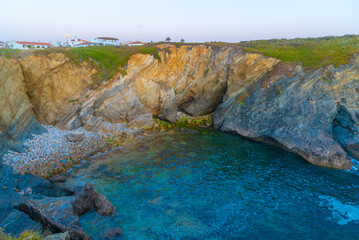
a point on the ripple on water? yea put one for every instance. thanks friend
(212, 185)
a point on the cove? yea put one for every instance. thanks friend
(206, 184)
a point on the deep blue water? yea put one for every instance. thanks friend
(212, 185)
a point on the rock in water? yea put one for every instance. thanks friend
(88, 198)
(75, 137)
(59, 236)
(112, 233)
(56, 214)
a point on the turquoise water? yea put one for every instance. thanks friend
(211, 185)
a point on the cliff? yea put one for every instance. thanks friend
(189, 79)
(314, 114)
(54, 82)
(17, 120)
(311, 113)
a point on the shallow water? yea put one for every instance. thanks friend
(212, 185)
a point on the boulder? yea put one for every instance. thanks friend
(88, 198)
(58, 236)
(142, 121)
(56, 214)
(75, 137)
(61, 214)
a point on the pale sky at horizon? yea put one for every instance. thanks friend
(192, 20)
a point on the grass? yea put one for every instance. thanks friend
(200, 121)
(312, 53)
(29, 235)
(73, 100)
(108, 60)
(8, 52)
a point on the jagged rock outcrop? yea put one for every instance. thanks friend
(13, 190)
(17, 120)
(190, 79)
(314, 114)
(54, 83)
(61, 214)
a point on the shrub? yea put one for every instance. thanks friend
(30, 235)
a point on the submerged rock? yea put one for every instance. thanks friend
(112, 233)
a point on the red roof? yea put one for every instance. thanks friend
(137, 42)
(79, 39)
(34, 43)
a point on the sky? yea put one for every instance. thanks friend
(191, 20)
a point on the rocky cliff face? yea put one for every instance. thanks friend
(312, 113)
(17, 120)
(189, 79)
(54, 83)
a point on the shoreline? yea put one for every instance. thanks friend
(52, 153)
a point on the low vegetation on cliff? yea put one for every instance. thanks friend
(29, 235)
(312, 53)
(184, 122)
(108, 60)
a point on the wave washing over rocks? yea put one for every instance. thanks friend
(58, 150)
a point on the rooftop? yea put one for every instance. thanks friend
(136, 42)
(108, 38)
(34, 43)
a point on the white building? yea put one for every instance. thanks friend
(107, 41)
(85, 44)
(2, 44)
(136, 43)
(75, 41)
(29, 45)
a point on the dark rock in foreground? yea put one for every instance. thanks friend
(27, 202)
(58, 236)
(56, 214)
(88, 198)
(61, 214)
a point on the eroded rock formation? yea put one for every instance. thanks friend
(54, 83)
(312, 113)
(17, 120)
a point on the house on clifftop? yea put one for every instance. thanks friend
(136, 43)
(29, 45)
(106, 41)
